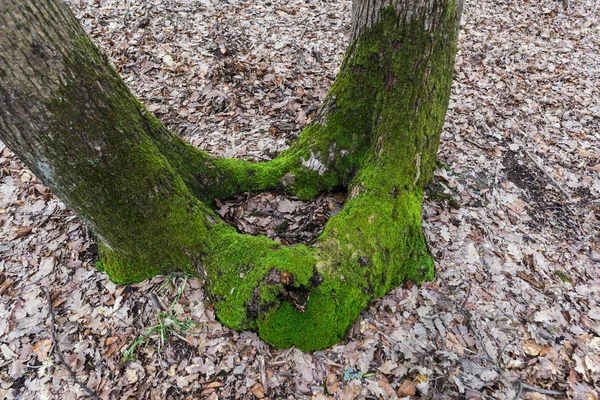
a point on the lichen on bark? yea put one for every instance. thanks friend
(148, 194)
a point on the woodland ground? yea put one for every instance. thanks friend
(515, 236)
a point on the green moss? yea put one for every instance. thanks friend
(148, 194)
(107, 167)
(376, 241)
(563, 277)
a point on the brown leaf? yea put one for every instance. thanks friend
(572, 377)
(24, 231)
(349, 392)
(531, 280)
(258, 391)
(207, 392)
(184, 381)
(407, 388)
(6, 285)
(389, 390)
(110, 351)
(110, 340)
(58, 302)
(214, 385)
(286, 278)
(533, 349)
(332, 384)
(41, 349)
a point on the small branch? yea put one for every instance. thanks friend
(263, 374)
(538, 390)
(474, 143)
(59, 354)
(499, 361)
(462, 305)
(544, 391)
(518, 396)
(465, 314)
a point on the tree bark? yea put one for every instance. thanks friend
(147, 195)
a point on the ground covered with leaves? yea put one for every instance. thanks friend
(512, 217)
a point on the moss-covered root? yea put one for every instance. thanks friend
(309, 297)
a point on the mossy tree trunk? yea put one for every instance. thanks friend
(148, 195)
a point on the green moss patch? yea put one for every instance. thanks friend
(149, 195)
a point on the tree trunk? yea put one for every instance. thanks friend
(148, 195)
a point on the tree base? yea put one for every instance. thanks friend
(303, 296)
(148, 195)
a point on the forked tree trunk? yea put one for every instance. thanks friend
(148, 195)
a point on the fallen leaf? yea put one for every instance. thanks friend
(24, 231)
(533, 349)
(407, 388)
(41, 349)
(110, 340)
(6, 285)
(387, 388)
(213, 396)
(332, 384)
(258, 391)
(131, 376)
(184, 381)
(213, 385)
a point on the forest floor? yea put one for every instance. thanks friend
(516, 298)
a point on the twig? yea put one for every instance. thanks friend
(474, 143)
(59, 354)
(464, 313)
(499, 362)
(518, 396)
(263, 374)
(277, 363)
(462, 305)
(558, 186)
(544, 391)
(484, 396)
(549, 392)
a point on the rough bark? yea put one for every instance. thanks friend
(66, 113)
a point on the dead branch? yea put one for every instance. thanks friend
(59, 354)
(549, 392)
(263, 374)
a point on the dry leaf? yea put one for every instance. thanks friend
(6, 285)
(41, 349)
(110, 340)
(407, 388)
(24, 231)
(532, 348)
(258, 391)
(184, 381)
(332, 384)
(387, 388)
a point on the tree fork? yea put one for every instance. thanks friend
(147, 194)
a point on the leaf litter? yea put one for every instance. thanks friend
(512, 221)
